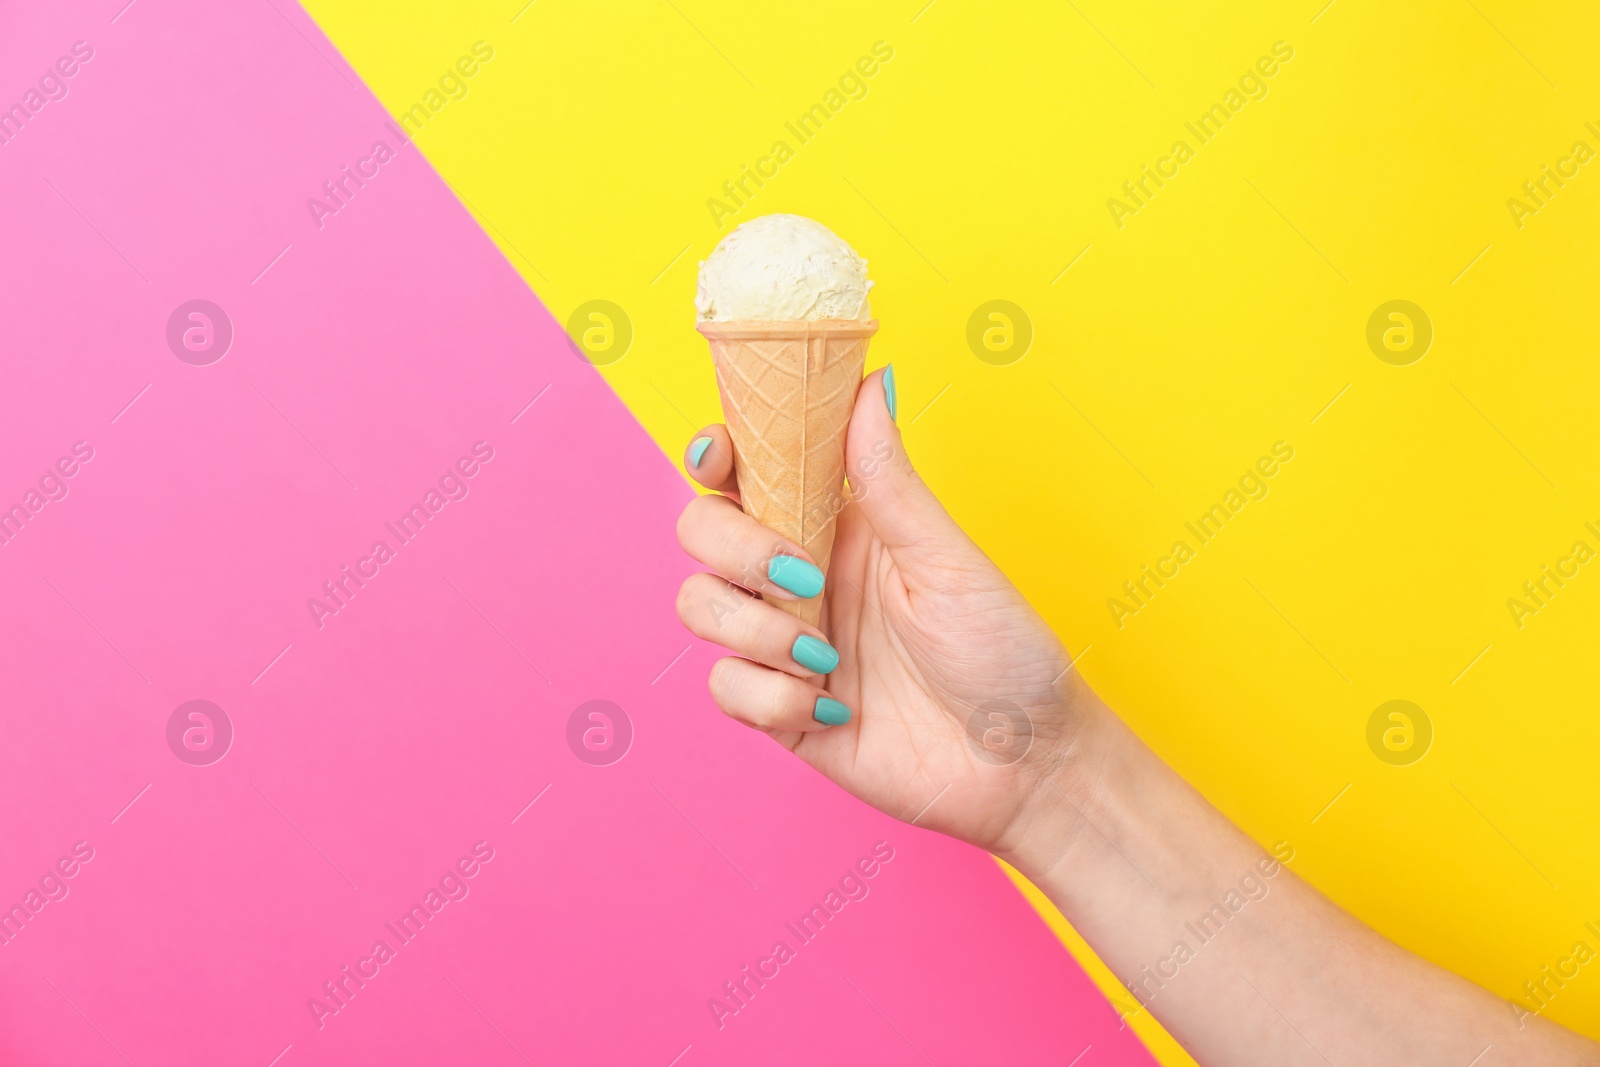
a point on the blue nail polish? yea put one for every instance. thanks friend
(830, 712)
(888, 391)
(816, 656)
(796, 575)
(697, 451)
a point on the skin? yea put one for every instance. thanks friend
(929, 631)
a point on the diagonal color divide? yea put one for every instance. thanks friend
(400, 434)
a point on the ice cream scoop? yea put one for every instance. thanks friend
(782, 268)
(783, 302)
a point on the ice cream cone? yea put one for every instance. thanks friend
(787, 392)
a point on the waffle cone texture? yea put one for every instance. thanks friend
(787, 392)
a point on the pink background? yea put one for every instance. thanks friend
(428, 713)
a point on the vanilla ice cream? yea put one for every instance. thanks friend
(782, 268)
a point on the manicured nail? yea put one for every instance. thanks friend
(814, 655)
(888, 391)
(829, 712)
(697, 451)
(796, 575)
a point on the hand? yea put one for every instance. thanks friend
(931, 638)
(960, 699)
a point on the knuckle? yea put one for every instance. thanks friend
(732, 538)
(723, 683)
(706, 603)
(683, 525)
(773, 697)
(690, 519)
(686, 596)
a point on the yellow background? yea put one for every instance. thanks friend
(1224, 316)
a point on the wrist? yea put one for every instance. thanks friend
(1072, 773)
(1108, 821)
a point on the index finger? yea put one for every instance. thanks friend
(709, 460)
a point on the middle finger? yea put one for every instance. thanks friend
(717, 611)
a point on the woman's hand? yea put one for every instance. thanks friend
(964, 716)
(960, 700)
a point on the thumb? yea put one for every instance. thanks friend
(898, 505)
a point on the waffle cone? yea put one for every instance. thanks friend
(787, 392)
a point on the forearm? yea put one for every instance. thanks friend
(1242, 961)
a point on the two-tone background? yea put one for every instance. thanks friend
(1120, 258)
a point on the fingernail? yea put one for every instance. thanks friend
(697, 451)
(814, 655)
(830, 712)
(796, 575)
(888, 391)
